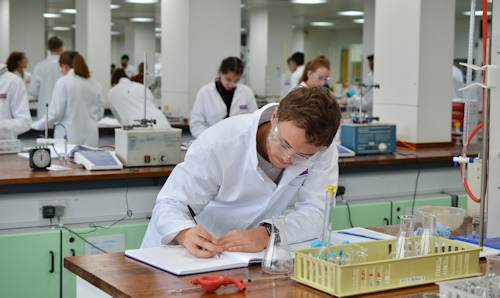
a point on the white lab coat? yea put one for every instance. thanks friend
(130, 71)
(296, 75)
(45, 76)
(209, 107)
(77, 104)
(126, 101)
(366, 99)
(15, 117)
(26, 77)
(220, 179)
(458, 83)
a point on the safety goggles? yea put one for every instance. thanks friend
(228, 81)
(284, 149)
(321, 78)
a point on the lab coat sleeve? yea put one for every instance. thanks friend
(252, 103)
(366, 100)
(36, 81)
(57, 106)
(21, 117)
(194, 182)
(197, 120)
(306, 221)
(100, 105)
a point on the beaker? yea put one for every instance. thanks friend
(325, 252)
(355, 254)
(405, 242)
(428, 241)
(277, 258)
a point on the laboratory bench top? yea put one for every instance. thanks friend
(120, 276)
(15, 169)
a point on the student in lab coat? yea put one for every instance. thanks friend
(129, 69)
(297, 67)
(76, 103)
(17, 63)
(316, 72)
(225, 97)
(247, 168)
(126, 101)
(45, 75)
(366, 96)
(15, 115)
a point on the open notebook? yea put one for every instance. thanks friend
(177, 260)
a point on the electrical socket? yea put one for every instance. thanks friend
(55, 202)
(59, 211)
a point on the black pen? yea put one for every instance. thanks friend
(192, 214)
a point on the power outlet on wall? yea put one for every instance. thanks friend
(55, 202)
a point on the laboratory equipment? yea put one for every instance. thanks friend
(369, 138)
(355, 254)
(447, 216)
(211, 283)
(428, 242)
(325, 253)
(277, 257)
(404, 247)
(98, 160)
(10, 146)
(39, 158)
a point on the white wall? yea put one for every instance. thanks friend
(144, 41)
(258, 44)
(4, 30)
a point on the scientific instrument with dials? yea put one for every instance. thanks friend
(39, 158)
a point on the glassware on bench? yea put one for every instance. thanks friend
(428, 241)
(404, 247)
(325, 252)
(277, 258)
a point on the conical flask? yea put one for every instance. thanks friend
(428, 241)
(325, 252)
(277, 258)
(405, 242)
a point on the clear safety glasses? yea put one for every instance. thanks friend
(321, 78)
(281, 146)
(228, 81)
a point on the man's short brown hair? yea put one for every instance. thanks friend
(315, 110)
(55, 44)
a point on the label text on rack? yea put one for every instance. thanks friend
(411, 279)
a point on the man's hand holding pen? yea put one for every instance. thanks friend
(199, 242)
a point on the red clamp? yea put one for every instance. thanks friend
(211, 283)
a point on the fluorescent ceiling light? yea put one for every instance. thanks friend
(142, 1)
(68, 10)
(61, 28)
(358, 21)
(309, 1)
(478, 13)
(322, 24)
(157, 29)
(51, 15)
(243, 6)
(115, 6)
(142, 20)
(243, 29)
(351, 13)
(115, 33)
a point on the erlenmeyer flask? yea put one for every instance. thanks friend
(405, 243)
(325, 252)
(428, 241)
(277, 258)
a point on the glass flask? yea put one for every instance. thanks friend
(277, 258)
(404, 247)
(325, 252)
(428, 241)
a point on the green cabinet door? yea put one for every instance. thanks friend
(462, 202)
(30, 264)
(399, 207)
(362, 215)
(74, 245)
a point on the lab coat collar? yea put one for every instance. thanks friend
(3, 68)
(124, 80)
(290, 171)
(71, 72)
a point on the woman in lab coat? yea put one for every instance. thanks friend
(15, 115)
(17, 63)
(223, 98)
(275, 153)
(76, 103)
(316, 72)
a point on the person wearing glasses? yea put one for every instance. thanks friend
(17, 63)
(316, 72)
(225, 97)
(245, 169)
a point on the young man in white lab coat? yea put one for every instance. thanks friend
(245, 169)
